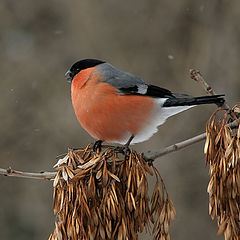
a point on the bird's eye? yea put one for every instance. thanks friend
(69, 76)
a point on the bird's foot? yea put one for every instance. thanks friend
(97, 146)
(149, 161)
(125, 150)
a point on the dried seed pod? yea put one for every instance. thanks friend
(222, 154)
(105, 196)
(105, 174)
(114, 176)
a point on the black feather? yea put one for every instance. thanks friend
(83, 64)
(152, 91)
(130, 90)
(175, 102)
(158, 92)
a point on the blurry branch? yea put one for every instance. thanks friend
(14, 173)
(148, 156)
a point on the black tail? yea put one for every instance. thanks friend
(174, 102)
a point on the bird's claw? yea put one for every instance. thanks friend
(125, 150)
(149, 161)
(97, 146)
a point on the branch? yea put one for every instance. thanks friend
(148, 156)
(14, 173)
(152, 155)
(197, 76)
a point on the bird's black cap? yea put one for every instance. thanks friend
(81, 65)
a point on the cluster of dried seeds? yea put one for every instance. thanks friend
(162, 209)
(222, 149)
(105, 196)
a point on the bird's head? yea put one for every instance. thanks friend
(79, 66)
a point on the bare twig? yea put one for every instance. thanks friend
(15, 173)
(197, 76)
(152, 155)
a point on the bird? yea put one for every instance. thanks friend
(115, 106)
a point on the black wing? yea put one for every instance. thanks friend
(148, 90)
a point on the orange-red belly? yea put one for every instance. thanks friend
(107, 115)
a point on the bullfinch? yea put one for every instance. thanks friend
(118, 107)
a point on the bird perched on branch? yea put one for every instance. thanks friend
(119, 107)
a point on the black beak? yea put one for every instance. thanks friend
(68, 76)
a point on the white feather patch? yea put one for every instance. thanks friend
(159, 116)
(142, 89)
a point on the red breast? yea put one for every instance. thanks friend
(103, 112)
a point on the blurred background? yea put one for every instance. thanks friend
(158, 40)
